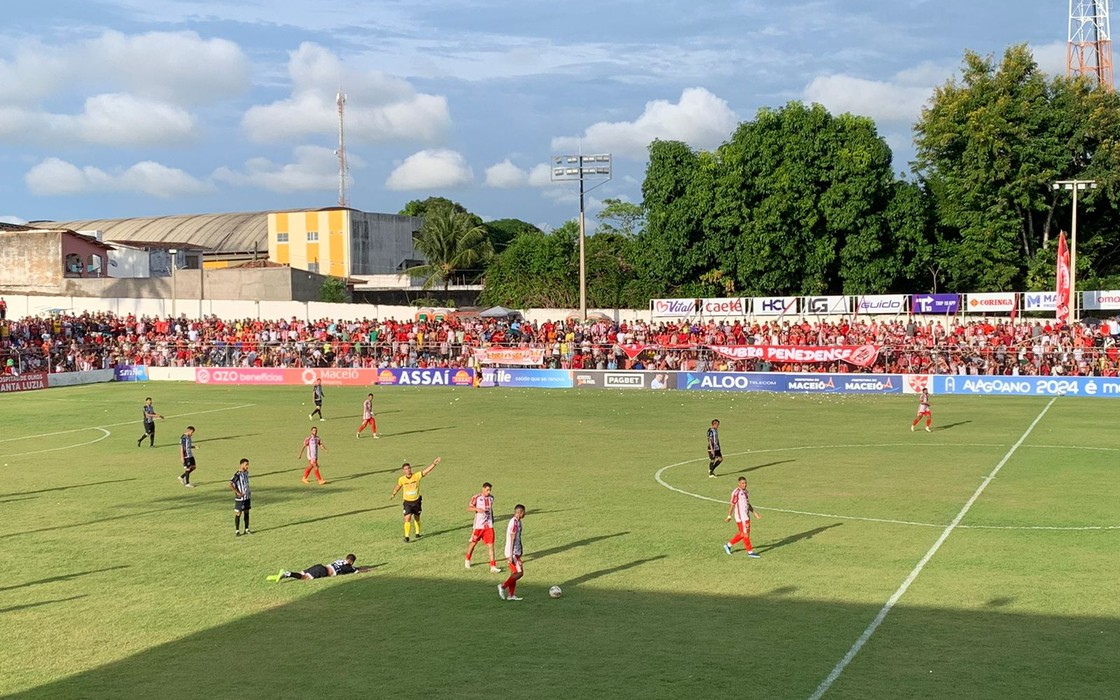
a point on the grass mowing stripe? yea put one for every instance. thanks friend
(127, 422)
(843, 663)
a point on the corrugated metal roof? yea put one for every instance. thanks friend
(218, 233)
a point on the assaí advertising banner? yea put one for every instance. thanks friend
(1105, 387)
(331, 376)
(509, 356)
(28, 381)
(433, 376)
(130, 373)
(858, 355)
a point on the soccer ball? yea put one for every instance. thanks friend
(555, 592)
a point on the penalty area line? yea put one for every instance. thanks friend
(893, 600)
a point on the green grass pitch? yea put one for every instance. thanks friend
(118, 582)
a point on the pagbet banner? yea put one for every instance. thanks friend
(29, 381)
(509, 356)
(331, 376)
(858, 355)
(623, 379)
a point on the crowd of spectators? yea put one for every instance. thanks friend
(944, 345)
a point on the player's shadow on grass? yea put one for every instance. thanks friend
(607, 572)
(785, 541)
(768, 464)
(67, 488)
(255, 475)
(572, 545)
(950, 426)
(320, 519)
(262, 496)
(361, 475)
(414, 432)
(41, 603)
(21, 498)
(62, 577)
(225, 437)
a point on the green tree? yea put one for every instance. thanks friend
(536, 270)
(622, 217)
(334, 290)
(453, 245)
(502, 231)
(424, 207)
(989, 146)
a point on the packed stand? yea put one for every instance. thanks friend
(63, 342)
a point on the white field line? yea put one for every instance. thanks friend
(105, 434)
(127, 422)
(893, 600)
(889, 521)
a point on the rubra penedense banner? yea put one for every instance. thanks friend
(331, 376)
(509, 356)
(858, 355)
(27, 381)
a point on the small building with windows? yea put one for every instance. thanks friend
(40, 261)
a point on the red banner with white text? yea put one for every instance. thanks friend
(858, 355)
(1064, 296)
(23, 382)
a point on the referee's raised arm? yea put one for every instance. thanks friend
(431, 466)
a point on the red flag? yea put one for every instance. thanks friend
(1063, 279)
(1015, 307)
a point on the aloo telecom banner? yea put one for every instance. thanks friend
(130, 373)
(432, 376)
(27, 381)
(774, 306)
(1100, 301)
(1003, 303)
(509, 356)
(331, 376)
(1106, 387)
(935, 303)
(526, 378)
(858, 355)
(825, 305)
(800, 383)
(881, 304)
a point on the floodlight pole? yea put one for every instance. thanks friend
(1074, 186)
(174, 292)
(580, 167)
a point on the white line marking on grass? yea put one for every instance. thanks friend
(127, 422)
(105, 434)
(863, 638)
(889, 521)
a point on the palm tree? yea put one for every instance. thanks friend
(451, 243)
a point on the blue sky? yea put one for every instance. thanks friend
(151, 107)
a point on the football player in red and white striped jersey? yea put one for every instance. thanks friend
(923, 410)
(482, 505)
(742, 510)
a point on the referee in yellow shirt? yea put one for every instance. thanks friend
(410, 482)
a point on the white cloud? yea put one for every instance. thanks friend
(881, 100)
(314, 169)
(379, 107)
(1051, 57)
(178, 67)
(54, 176)
(12, 219)
(699, 118)
(506, 175)
(135, 90)
(437, 168)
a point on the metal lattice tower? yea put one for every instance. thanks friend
(343, 199)
(1090, 41)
